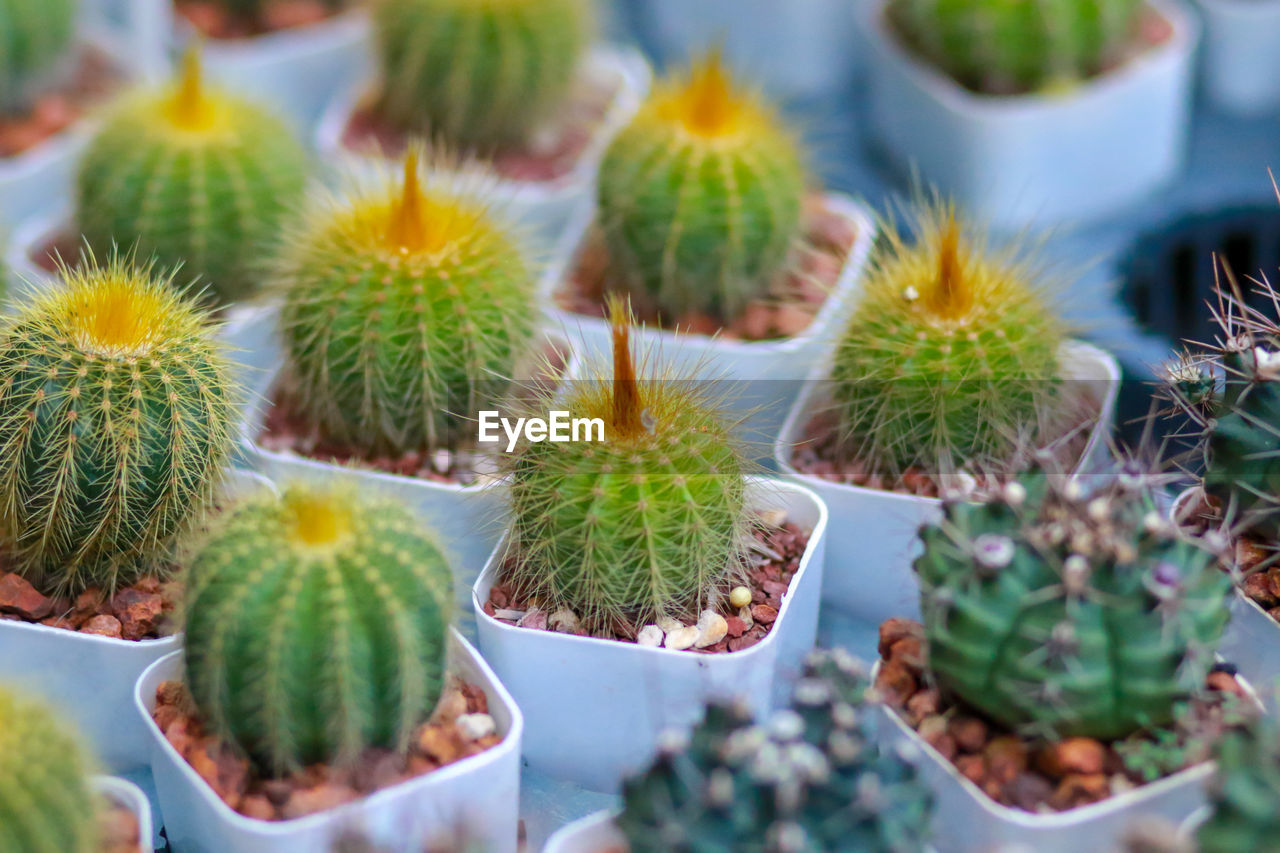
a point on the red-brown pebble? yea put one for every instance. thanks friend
(19, 597)
(103, 626)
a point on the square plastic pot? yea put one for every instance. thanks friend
(596, 708)
(594, 833)
(477, 797)
(1036, 159)
(873, 539)
(761, 379)
(966, 820)
(122, 792)
(544, 207)
(90, 678)
(1241, 55)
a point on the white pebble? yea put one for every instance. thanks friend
(744, 613)
(740, 596)
(563, 620)
(774, 517)
(511, 615)
(712, 628)
(682, 639)
(667, 624)
(650, 635)
(476, 726)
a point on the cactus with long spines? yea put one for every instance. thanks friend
(1056, 610)
(1244, 792)
(316, 626)
(809, 779)
(35, 35)
(478, 75)
(192, 175)
(116, 413)
(650, 522)
(46, 805)
(406, 311)
(1016, 46)
(700, 198)
(951, 359)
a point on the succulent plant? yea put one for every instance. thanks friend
(116, 414)
(1015, 46)
(700, 198)
(406, 309)
(650, 522)
(36, 34)
(46, 805)
(479, 75)
(191, 175)
(1244, 791)
(1059, 611)
(951, 358)
(809, 779)
(316, 626)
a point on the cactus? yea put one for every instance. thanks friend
(1016, 46)
(951, 358)
(191, 175)
(649, 522)
(116, 412)
(700, 198)
(45, 802)
(809, 779)
(479, 75)
(36, 34)
(316, 626)
(1244, 791)
(405, 311)
(1056, 611)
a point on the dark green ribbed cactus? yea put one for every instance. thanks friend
(479, 75)
(1244, 792)
(116, 414)
(316, 626)
(1056, 611)
(951, 358)
(649, 522)
(192, 176)
(406, 311)
(700, 198)
(1014, 46)
(46, 805)
(34, 36)
(810, 779)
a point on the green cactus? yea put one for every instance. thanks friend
(45, 802)
(649, 522)
(1244, 792)
(405, 312)
(36, 35)
(116, 414)
(810, 779)
(951, 358)
(1056, 611)
(700, 198)
(479, 75)
(192, 176)
(1016, 46)
(316, 626)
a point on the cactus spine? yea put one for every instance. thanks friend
(1015, 46)
(649, 522)
(700, 199)
(1050, 609)
(194, 176)
(116, 412)
(405, 311)
(1244, 792)
(950, 360)
(45, 802)
(35, 34)
(316, 626)
(477, 73)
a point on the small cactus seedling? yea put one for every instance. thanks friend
(951, 358)
(194, 176)
(36, 34)
(406, 310)
(316, 626)
(700, 199)
(116, 413)
(45, 802)
(810, 779)
(1244, 792)
(1059, 612)
(1016, 46)
(478, 74)
(650, 522)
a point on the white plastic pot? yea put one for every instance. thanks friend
(596, 708)
(122, 792)
(594, 833)
(873, 537)
(542, 206)
(1241, 54)
(761, 379)
(90, 678)
(476, 797)
(1037, 159)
